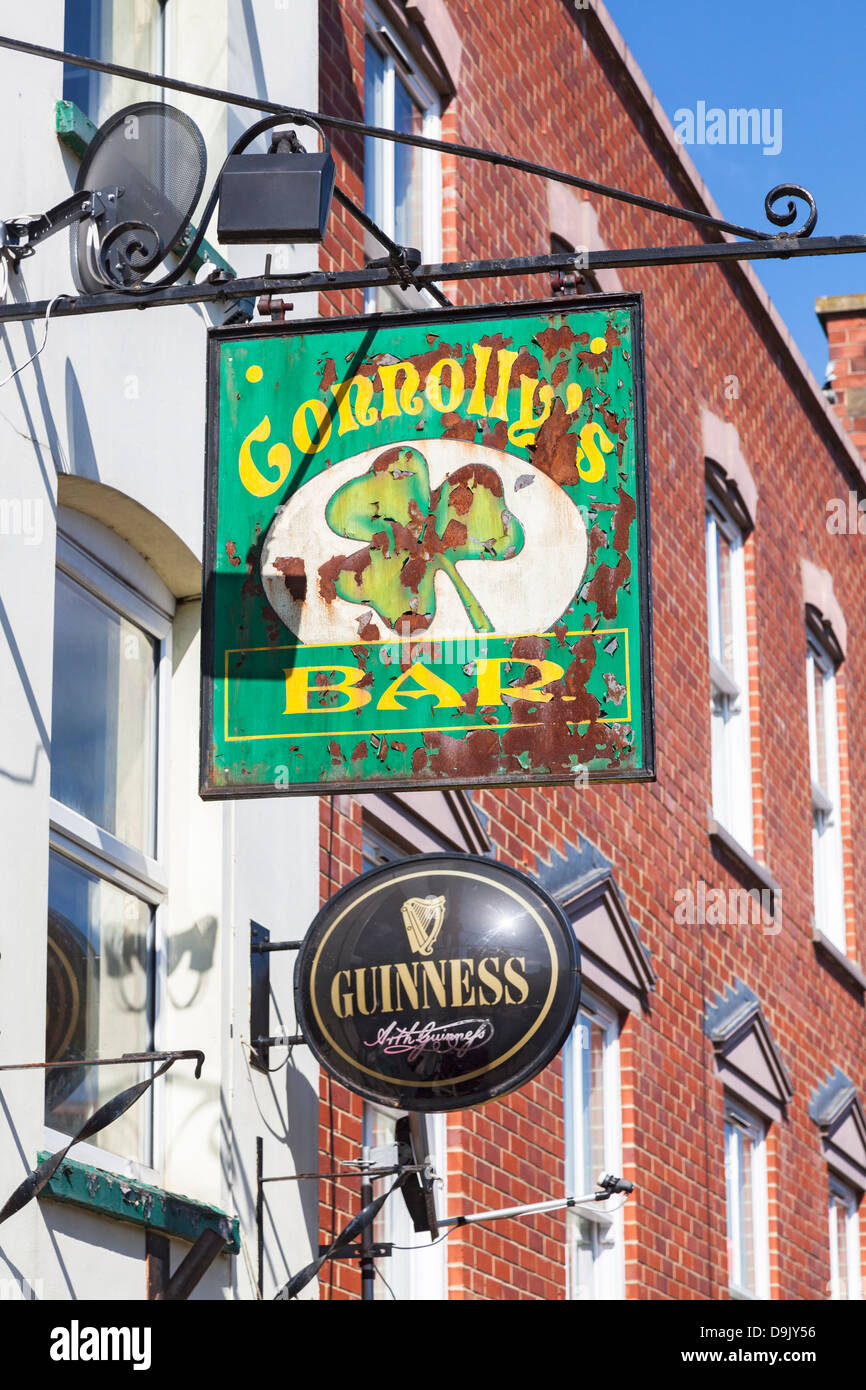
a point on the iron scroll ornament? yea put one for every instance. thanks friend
(784, 219)
(438, 982)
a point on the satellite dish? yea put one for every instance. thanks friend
(147, 165)
(413, 1147)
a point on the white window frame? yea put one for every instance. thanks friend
(738, 1119)
(427, 99)
(81, 841)
(608, 1226)
(729, 682)
(162, 43)
(827, 860)
(840, 1191)
(405, 1275)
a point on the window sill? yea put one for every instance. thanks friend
(124, 1199)
(731, 846)
(825, 946)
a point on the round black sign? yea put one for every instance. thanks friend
(438, 982)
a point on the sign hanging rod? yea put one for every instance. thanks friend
(302, 116)
(778, 248)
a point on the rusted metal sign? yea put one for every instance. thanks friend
(427, 551)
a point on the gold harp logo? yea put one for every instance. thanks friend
(423, 918)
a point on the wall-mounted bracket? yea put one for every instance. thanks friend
(261, 1038)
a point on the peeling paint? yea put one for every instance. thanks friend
(394, 696)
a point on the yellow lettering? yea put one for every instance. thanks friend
(299, 690)
(342, 394)
(573, 397)
(279, 457)
(456, 389)
(591, 436)
(499, 408)
(385, 981)
(361, 992)
(513, 977)
(409, 403)
(341, 1004)
(491, 690)
(408, 982)
(525, 427)
(434, 975)
(307, 443)
(478, 399)
(445, 695)
(461, 980)
(487, 968)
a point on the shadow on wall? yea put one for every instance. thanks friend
(81, 453)
(190, 957)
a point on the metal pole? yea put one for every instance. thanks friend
(368, 1267)
(530, 1210)
(260, 1212)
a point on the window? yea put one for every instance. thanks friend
(402, 184)
(726, 601)
(377, 847)
(594, 1240)
(128, 32)
(826, 799)
(746, 1191)
(844, 1241)
(106, 880)
(418, 1270)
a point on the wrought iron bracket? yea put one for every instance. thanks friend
(400, 266)
(261, 1039)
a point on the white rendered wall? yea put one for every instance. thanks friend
(118, 399)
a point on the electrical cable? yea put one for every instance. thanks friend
(270, 1070)
(478, 1225)
(378, 1271)
(33, 356)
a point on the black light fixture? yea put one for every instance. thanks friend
(284, 195)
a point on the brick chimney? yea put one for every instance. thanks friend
(843, 318)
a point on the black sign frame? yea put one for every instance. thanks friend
(451, 1092)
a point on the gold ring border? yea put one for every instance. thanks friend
(469, 1076)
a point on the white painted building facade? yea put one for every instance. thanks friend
(126, 900)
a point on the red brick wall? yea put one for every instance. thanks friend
(846, 344)
(547, 84)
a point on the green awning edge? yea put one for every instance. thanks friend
(75, 132)
(124, 1199)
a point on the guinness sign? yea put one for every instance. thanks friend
(438, 982)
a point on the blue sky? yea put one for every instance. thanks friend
(809, 60)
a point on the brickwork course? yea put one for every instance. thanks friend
(555, 83)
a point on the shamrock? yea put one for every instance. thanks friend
(411, 536)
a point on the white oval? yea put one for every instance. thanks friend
(527, 593)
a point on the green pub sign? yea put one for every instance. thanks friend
(427, 551)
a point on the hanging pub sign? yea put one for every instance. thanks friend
(438, 982)
(427, 551)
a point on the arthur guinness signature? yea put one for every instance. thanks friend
(459, 1037)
